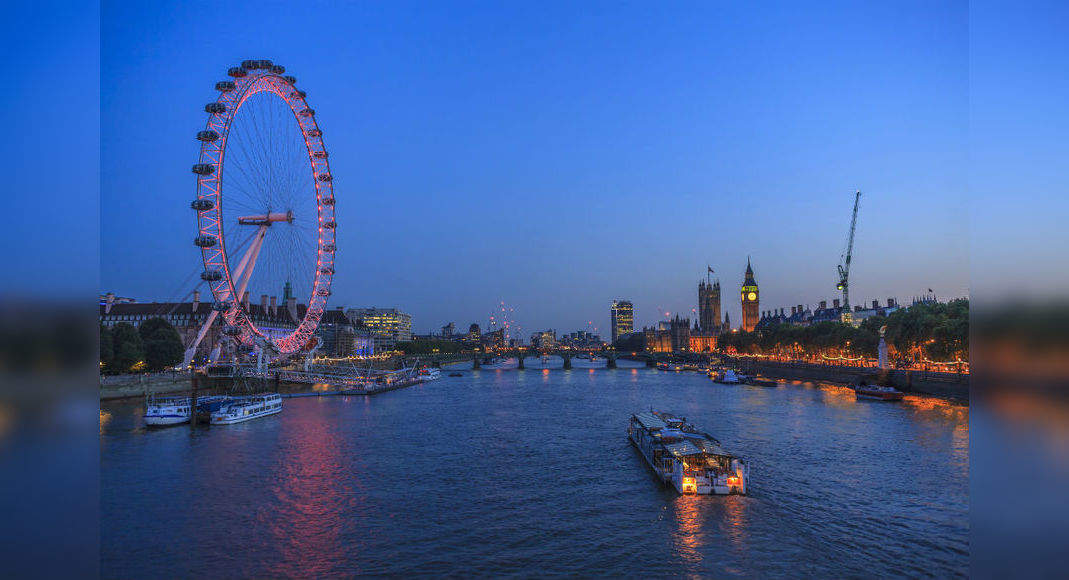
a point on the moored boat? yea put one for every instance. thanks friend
(427, 374)
(727, 377)
(241, 409)
(877, 392)
(692, 461)
(165, 411)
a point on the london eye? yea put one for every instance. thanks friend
(264, 209)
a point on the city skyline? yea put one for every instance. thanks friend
(739, 143)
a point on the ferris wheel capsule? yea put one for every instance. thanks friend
(325, 177)
(319, 154)
(278, 69)
(326, 270)
(291, 80)
(237, 72)
(215, 108)
(329, 247)
(328, 200)
(202, 204)
(250, 64)
(330, 225)
(307, 113)
(207, 136)
(204, 241)
(232, 330)
(221, 306)
(225, 86)
(211, 275)
(314, 133)
(265, 64)
(204, 169)
(323, 292)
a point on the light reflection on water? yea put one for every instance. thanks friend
(503, 471)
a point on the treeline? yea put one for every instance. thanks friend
(939, 331)
(935, 331)
(821, 337)
(153, 346)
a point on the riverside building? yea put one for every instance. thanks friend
(621, 318)
(387, 326)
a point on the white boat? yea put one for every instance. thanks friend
(692, 461)
(246, 408)
(165, 411)
(430, 374)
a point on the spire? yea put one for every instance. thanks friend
(749, 274)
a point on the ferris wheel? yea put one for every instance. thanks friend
(265, 210)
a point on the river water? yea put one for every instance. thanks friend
(529, 473)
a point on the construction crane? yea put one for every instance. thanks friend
(844, 266)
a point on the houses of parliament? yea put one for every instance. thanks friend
(710, 324)
(677, 334)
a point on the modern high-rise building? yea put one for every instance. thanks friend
(387, 326)
(751, 300)
(621, 318)
(709, 307)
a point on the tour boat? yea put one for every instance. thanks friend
(454, 374)
(245, 408)
(692, 461)
(877, 393)
(164, 411)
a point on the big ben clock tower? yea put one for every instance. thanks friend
(750, 300)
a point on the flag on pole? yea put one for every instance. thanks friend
(710, 268)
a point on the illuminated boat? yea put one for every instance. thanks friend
(241, 409)
(692, 461)
(426, 374)
(877, 393)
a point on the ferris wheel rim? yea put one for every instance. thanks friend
(249, 80)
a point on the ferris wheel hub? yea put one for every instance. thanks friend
(266, 219)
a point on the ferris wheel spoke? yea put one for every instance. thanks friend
(251, 184)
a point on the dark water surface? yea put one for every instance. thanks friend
(530, 473)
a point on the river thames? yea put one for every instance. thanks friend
(500, 471)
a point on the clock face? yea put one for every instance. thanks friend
(751, 296)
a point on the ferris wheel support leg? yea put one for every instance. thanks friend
(192, 350)
(248, 262)
(243, 272)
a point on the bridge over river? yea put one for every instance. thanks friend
(523, 356)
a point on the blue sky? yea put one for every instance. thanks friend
(557, 156)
